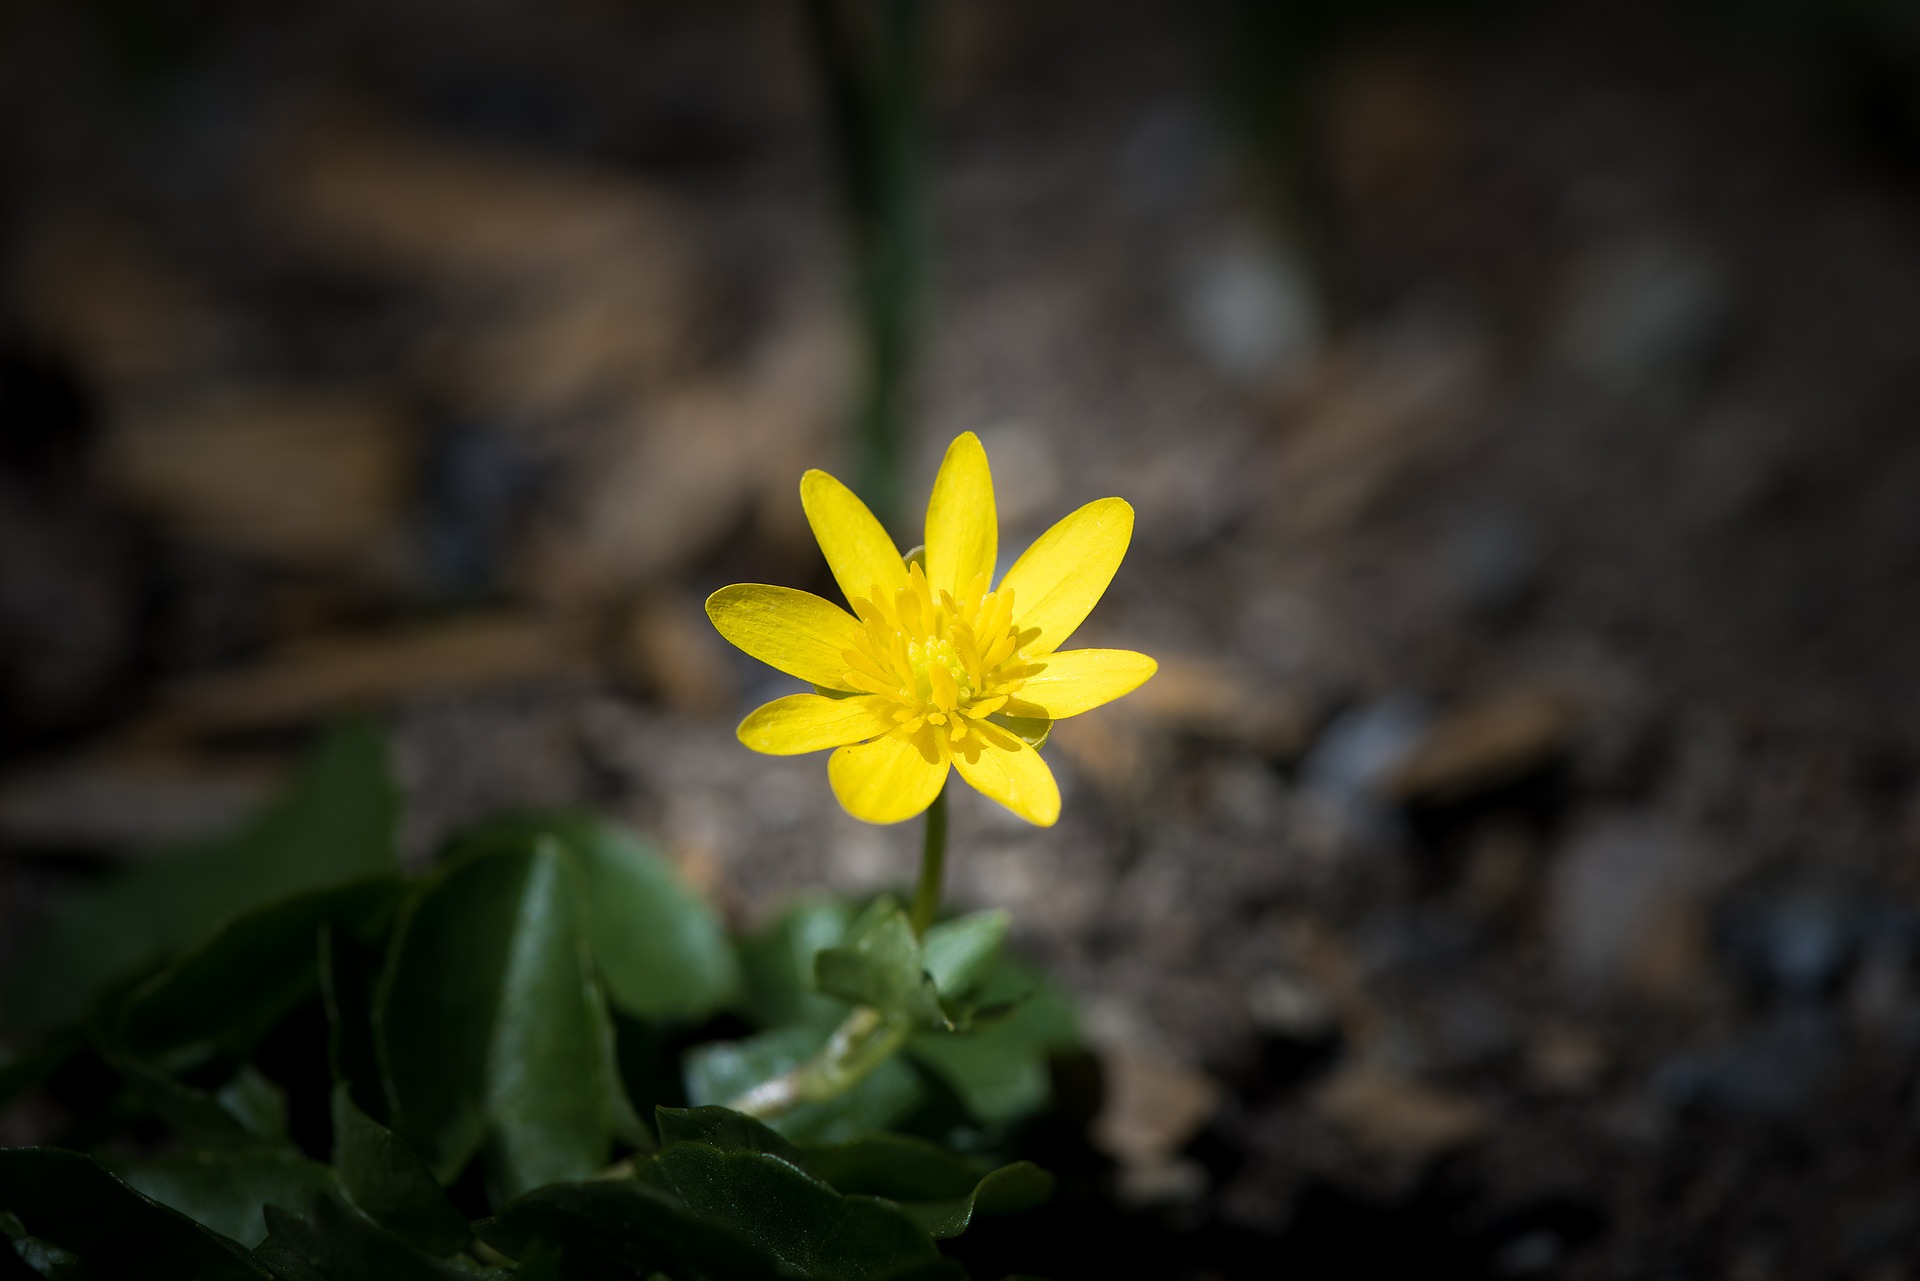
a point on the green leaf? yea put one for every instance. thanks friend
(940, 1190)
(389, 1182)
(349, 973)
(491, 1031)
(249, 1111)
(226, 1190)
(334, 823)
(333, 1243)
(721, 1071)
(999, 1067)
(778, 965)
(722, 1128)
(256, 1102)
(692, 1209)
(880, 965)
(66, 1200)
(661, 951)
(957, 953)
(228, 992)
(801, 1222)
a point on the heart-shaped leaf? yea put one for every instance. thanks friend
(389, 1182)
(248, 1111)
(778, 965)
(349, 977)
(880, 965)
(999, 1067)
(490, 1027)
(335, 823)
(721, 1071)
(227, 1190)
(229, 991)
(695, 1209)
(940, 1190)
(722, 1128)
(958, 953)
(659, 947)
(333, 1243)
(66, 1200)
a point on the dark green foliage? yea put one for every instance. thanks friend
(723, 1070)
(225, 994)
(723, 1197)
(390, 1182)
(777, 965)
(334, 824)
(349, 976)
(67, 1201)
(941, 1191)
(341, 1066)
(332, 1243)
(227, 1190)
(247, 1111)
(999, 1069)
(661, 953)
(489, 1026)
(880, 964)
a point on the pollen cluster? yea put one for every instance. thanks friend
(948, 663)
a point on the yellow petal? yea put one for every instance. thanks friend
(858, 550)
(890, 779)
(1013, 775)
(1073, 681)
(799, 633)
(963, 533)
(813, 722)
(1057, 581)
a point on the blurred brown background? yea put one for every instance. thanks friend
(1513, 868)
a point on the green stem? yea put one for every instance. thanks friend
(870, 55)
(933, 866)
(865, 1040)
(867, 1037)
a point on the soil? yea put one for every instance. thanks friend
(1515, 868)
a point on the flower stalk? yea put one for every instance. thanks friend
(933, 861)
(865, 1040)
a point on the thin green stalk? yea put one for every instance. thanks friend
(867, 1037)
(933, 866)
(870, 55)
(865, 1040)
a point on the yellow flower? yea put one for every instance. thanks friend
(935, 668)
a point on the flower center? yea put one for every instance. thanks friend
(946, 663)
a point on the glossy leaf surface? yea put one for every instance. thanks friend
(939, 1189)
(69, 1201)
(389, 1181)
(719, 1209)
(723, 1070)
(490, 1029)
(229, 991)
(228, 1191)
(330, 1242)
(659, 947)
(335, 823)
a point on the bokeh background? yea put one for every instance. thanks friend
(1514, 869)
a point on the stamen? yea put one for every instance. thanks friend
(945, 659)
